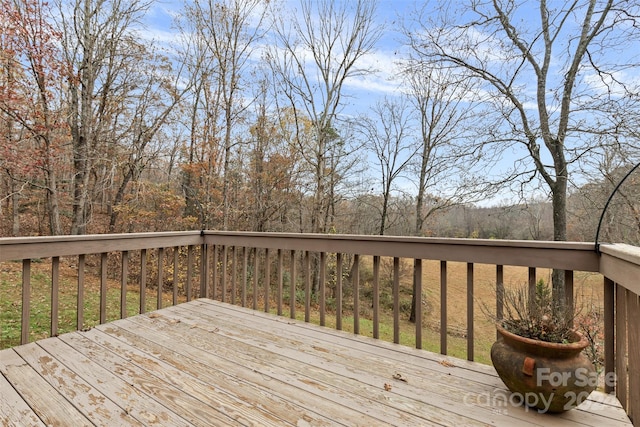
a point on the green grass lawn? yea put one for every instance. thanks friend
(40, 305)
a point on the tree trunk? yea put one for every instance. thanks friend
(559, 203)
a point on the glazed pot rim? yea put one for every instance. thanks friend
(579, 344)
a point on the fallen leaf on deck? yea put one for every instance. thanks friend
(447, 364)
(387, 387)
(399, 377)
(153, 315)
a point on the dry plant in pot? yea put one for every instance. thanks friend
(539, 354)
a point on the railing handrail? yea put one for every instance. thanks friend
(17, 248)
(620, 262)
(561, 255)
(532, 253)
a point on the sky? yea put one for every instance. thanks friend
(390, 12)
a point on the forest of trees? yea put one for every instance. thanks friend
(243, 119)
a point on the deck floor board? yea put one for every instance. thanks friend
(207, 363)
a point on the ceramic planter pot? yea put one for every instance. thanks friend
(551, 377)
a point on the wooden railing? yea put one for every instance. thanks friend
(338, 280)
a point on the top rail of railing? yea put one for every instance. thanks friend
(577, 256)
(621, 264)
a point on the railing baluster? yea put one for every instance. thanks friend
(124, 273)
(499, 294)
(568, 290)
(339, 291)
(280, 279)
(223, 266)
(322, 287)
(256, 266)
(26, 300)
(233, 298)
(267, 278)
(160, 277)
(633, 373)
(355, 276)
(292, 286)
(204, 271)
(214, 274)
(417, 274)
(609, 332)
(104, 257)
(189, 270)
(80, 302)
(143, 281)
(376, 297)
(176, 266)
(470, 339)
(622, 367)
(307, 286)
(396, 300)
(532, 285)
(245, 263)
(55, 289)
(443, 307)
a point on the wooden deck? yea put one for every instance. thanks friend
(208, 363)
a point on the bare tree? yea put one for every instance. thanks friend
(551, 78)
(446, 112)
(150, 104)
(387, 133)
(225, 33)
(317, 52)
(97, 39)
